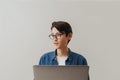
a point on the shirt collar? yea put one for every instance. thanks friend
(70, 55)
(53, 56)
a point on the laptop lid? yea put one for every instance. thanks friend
(61, 72)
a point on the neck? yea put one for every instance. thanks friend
(62, 52)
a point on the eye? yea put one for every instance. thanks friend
(51, 36)
(58, 34)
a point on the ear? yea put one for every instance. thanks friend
(69, 36)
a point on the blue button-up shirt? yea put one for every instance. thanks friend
(73, 59)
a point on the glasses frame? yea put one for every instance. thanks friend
(56, 36)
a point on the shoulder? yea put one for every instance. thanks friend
(77, 54)
(48, 54)
(79, 58)
(46, 58)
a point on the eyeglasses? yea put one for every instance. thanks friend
(57, 36)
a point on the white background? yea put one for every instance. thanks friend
(25, 26)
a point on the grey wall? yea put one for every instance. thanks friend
(25, 26)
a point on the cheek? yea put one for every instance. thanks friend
(63, 41)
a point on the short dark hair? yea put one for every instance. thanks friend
(62, 27)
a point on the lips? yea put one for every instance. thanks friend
(55, 43)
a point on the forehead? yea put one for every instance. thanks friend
(54, 30)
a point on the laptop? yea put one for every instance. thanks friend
(60, 72)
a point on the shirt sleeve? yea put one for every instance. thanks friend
(84, 61)
(42, 60)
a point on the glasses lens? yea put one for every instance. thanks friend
(51, 36)
(57, 36)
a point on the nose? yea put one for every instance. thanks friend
(55, 38)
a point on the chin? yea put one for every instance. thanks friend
(57, 47)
